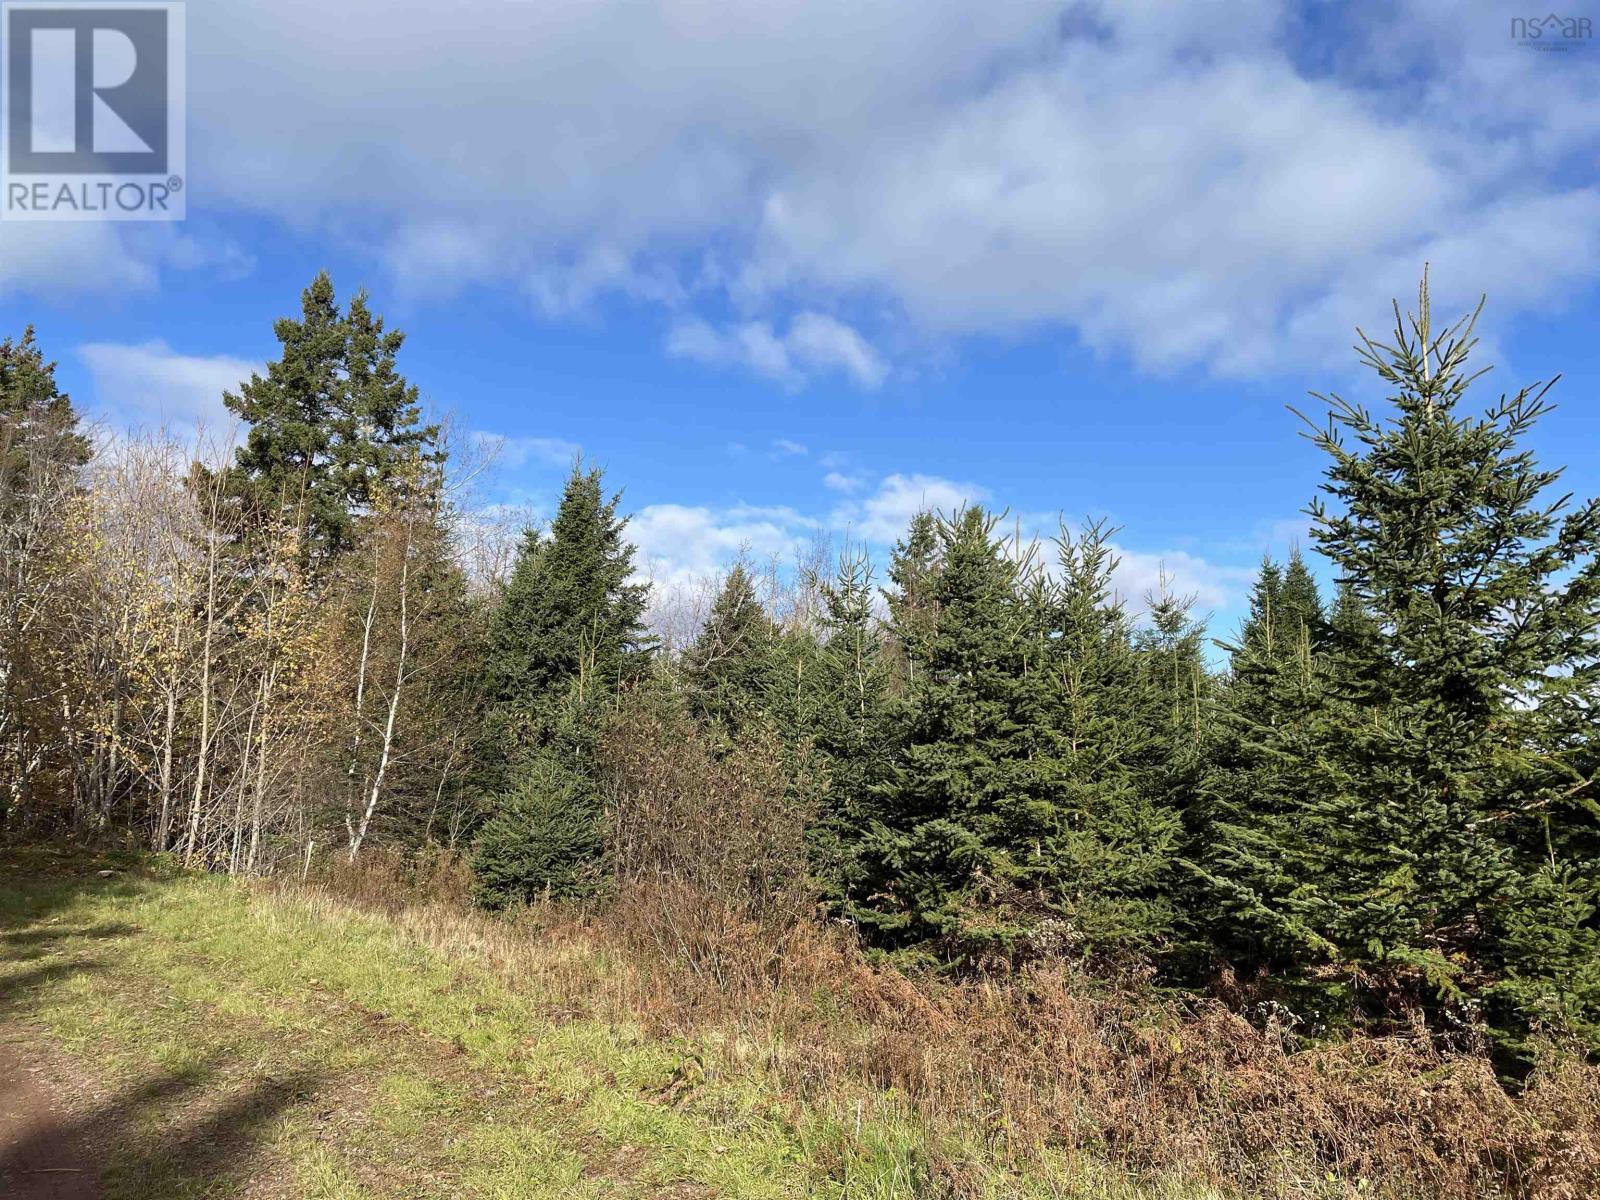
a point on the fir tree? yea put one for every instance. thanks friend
(935, 863)
(913, 567)
(1264, 624)
(729, 670)
(1105, 840)
(331, 423)
(567, 634)
(847, 727)
(570, 625)
(1301, 614)
(1247, 821)
(1458, 836)
(544, 834)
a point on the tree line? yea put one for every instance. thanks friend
(1382, 803)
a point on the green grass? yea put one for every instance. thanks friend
(232, 1041)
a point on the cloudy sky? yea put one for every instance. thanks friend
(803, 266)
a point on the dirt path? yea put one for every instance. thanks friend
(45, 1152)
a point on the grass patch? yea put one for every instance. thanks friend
(362, 1060)
(223, 1038)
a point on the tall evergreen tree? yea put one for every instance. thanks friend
(1458, 833)
(1246, 824)
(332, 422)
(848, 727)
(1263, 625)
(729, 670)
(1300, 603)
(1102, 853)
(570, 626)
(568, 632)
(936, 860)
(39, 427)
(913, 567)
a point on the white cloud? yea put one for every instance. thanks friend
(1214, 587)
(823, 343)
(882, 517)
(787, 448)
(150, 386)
(1189, 185)
(1178, 184)
(814, 344)
(56, 258)
(512, 453)
(681, 543)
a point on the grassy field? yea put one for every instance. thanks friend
(212, 1039)
(200, 1036)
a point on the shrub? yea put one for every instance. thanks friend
(544, 838)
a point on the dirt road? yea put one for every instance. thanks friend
(45, 1154)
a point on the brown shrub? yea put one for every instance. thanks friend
(390, 878)
(706, 847)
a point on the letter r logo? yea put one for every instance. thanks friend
(86, 89)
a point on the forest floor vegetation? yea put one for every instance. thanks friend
(210, 1037)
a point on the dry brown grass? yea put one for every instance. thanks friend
(1050, 1060)
(707, 936)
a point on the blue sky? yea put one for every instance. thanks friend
(797, 268)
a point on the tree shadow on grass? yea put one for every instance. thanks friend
(19, 988)
(168, 1138)
(35, 943)
(192, 1132)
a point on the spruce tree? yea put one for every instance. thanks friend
(332, 422)
(935, 864)
(913, 567)
(729, 670)
(1247, 820)
(847, 725)
(1457, 839)
(1264, 624)
(567, 634)
(570, 618)
(38, 424)
(1102, 849)
(1301, 613)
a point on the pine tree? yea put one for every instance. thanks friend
(332, 422)
(1458, 837)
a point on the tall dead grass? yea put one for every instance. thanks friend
(707, 937)
(1050, 1061)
